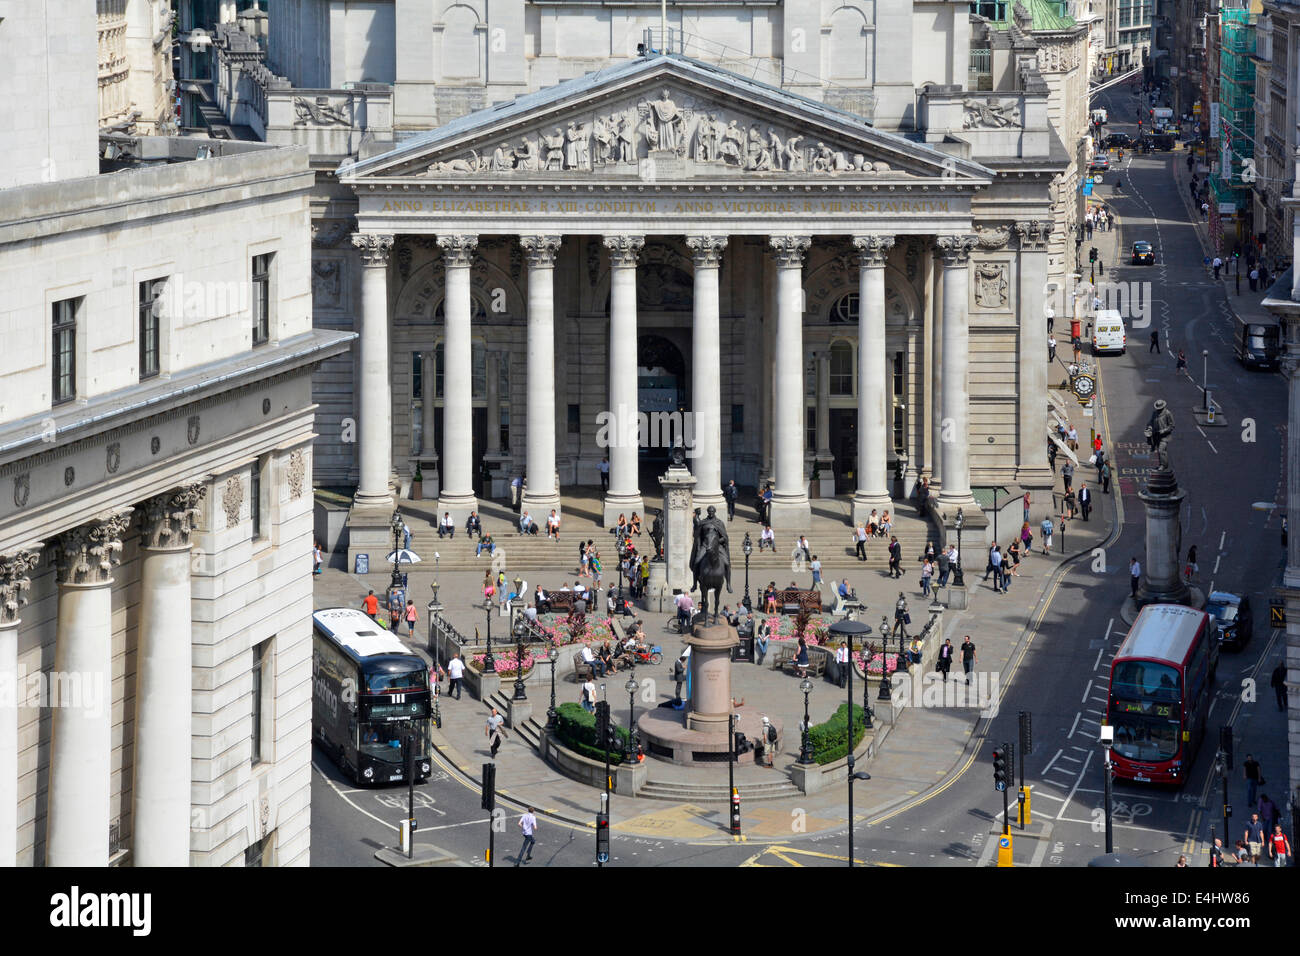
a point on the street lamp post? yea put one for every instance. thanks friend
(630, 687)
(1205, 378)
(885, 693)
(748, 547)
(553, 657)
(847, 630)
(520, 693)
(396, 524)
(959, 578)
(805, 751)
(1107, 738)
(489, 662)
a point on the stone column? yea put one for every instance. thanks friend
(790, 508)
(874, 379)
(14, 585)
(1032, 470)
(706, 374)
(374, 392)
(954, 425)
(542, 494)
(81, 735)
(456, 493)
(933, 398)
(160, 811)
(1162, 580)
(624, 495)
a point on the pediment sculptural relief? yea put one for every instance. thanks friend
(668, 126)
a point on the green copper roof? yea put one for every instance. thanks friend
(1046, 14)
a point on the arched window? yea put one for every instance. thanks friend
(845, 309)
(842, 359)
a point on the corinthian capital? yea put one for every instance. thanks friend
(15, 583)
(374, 247)
(789, 250)
(707, 250)
(955, 250)
(458, 250)
(623, 250)
(87, 553)
(874, 250)
(1033, 234)
(540, 251)
(168, 519)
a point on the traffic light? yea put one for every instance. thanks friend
(602, 837)
(1092, 254)
(1000, 768)
(602, 720)
(1225, 744)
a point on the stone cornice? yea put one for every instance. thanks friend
(707, 250)
(540, 251)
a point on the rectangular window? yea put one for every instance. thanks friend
(259, 666)
(898, 375)
(417, 375)
(262, 298)
(437, 371)
(259, 854)
(255, 499)
(575, 420)
(810, 427)
(841, 382)
(737, 419)
(150, 326)
(505, 429)
(64, 350)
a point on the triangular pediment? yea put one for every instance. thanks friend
(662, 118)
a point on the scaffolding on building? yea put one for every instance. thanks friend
(1236, 134)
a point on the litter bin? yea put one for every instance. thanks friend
(744, 651)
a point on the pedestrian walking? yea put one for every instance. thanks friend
(494, 732)
(1155, 342)
(860, 541)
(1051, 454)
(1278, 683)
(945, 658)
(968, 657)
(816, 568)
(1191, 567)
(901, 617)
(1134, 575)
(1253, 774)
(1217, 263)
(1085, 500)
(1013, 554)
(1067, 475)
(455, 671)
(371, 605)
(1105, 477)
(316, 557)
(406, 535)
(1278, 846)
(412, 616)
(1047, 528)
(1099, 459)
(1254, 279)
(927, 572)
(1051, 348)
(732, 493)
(1254, 837)
(516, 483)
(589, 694)
(604, 475)
(528, 827)
(895, 558)
(943, 565)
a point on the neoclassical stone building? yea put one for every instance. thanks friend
(491, 178)
(156, 428)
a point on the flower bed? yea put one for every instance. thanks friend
(556, 628)
(507, 664)
(785, 628)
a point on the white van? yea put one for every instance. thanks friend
(1108, 333)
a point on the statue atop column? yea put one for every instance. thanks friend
(1158, 431)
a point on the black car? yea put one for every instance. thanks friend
(1143, 254)
(1118, 141)
(1232, 618)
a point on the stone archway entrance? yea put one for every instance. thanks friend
(662, 397)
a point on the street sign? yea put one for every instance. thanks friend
(1277, 613)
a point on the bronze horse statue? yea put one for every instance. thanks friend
(711, 569)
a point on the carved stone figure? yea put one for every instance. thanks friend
(554, 146)
(627, 140)
(707, 139)
(990, 114)
(732, 150)
(795, 162)
(757, 156)
(576, 149)
(503, 159)
(823, 159)
(320, 112)
(604, 137)
(1158, 431)
(667, 122)
(526, 155)
(776, 147)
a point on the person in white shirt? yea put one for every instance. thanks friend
(860, 538)
(589, 695)
(842, 663)
(767, 536)
(685, 609)
(597, 665)
(527, 826)
(803, 546)
(447, 527)
(455, 671)
(526, 524)
(553, 525)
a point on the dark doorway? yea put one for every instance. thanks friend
(844, 446)
(661, 397)
(478, 447)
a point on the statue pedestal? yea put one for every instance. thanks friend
(657, 587)
(1162, 580)
(678, 485)
(711, 648)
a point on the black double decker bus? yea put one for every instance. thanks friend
(369, 695)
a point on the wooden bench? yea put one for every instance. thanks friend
(581, 669)
(845, 605)
(561, 602)
(784, 660)
(806, 599)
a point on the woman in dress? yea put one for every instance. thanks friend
(1014, 551)
(801, 657)
(634, 524)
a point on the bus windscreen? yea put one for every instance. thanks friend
(402, 682)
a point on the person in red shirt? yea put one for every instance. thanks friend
(371, 604)
(1278, 847)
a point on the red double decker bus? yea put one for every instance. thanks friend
(1160, 690)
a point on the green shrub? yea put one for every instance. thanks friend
(829, 741)
(576, 729)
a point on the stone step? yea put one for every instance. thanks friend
(667, 790)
